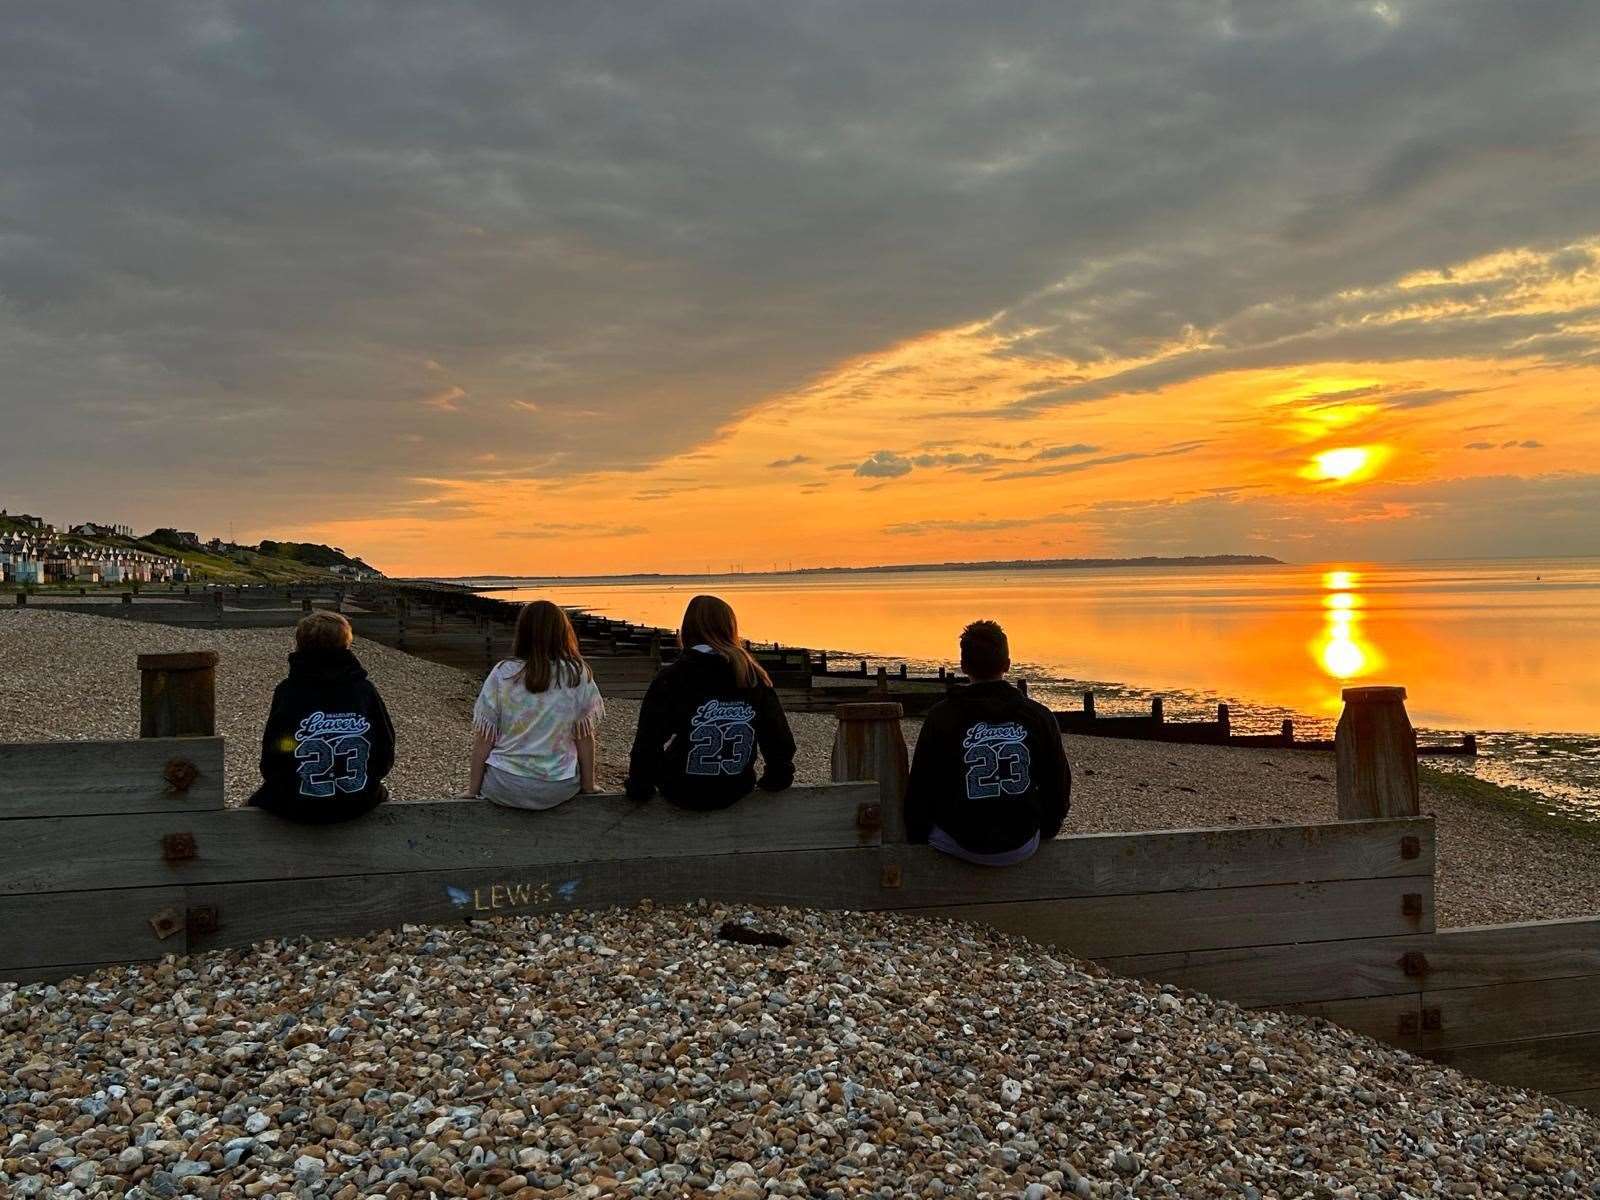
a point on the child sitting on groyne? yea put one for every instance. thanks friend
(535, 721)
(705, 716)
(329, 742)
(989, 780)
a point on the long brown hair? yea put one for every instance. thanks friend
(709, 621)
(548, 647)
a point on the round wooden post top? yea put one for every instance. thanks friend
(1368, 695)
(189, 660)
(882, 710)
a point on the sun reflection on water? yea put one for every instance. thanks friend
(1340, 649)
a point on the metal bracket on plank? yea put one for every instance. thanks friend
(869, 817)
(1408, 1024)
(203, 918)
(891, 876)
(178, 847)
(1411, 846)
(1432, 1020)
(1411, 904)
(180, 774)
(166, 923)
(1414, 962)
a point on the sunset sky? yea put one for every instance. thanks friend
(555, 288)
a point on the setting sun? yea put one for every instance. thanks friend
(1344, 463)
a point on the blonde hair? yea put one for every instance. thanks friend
(710, 621)
(323, 630)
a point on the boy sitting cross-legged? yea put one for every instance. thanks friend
(329, 741)
(989, 780)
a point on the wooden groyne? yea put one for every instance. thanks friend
(460, 628)
(119, 852)
(1219, 732)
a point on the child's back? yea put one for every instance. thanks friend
(329, 742)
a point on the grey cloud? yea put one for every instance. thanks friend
(574, 531)
(792, 461)
(611, 228)
(1539, 515)
(1105, 460)
(885, 463)
(1072, 451)
(981, 525)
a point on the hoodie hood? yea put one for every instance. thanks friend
(326, 665)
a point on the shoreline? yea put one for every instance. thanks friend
(1499, 860)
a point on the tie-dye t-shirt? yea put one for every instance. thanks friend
(534, 731)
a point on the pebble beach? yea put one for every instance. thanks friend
(636, 1053)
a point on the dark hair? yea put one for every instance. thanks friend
(985, 653)
(709, 620)
(323, 630)
(548, 647)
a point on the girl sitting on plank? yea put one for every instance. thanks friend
(534, 725)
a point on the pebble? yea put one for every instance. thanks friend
(517, 1060)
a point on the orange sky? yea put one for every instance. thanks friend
(609, 288)
(933, 450)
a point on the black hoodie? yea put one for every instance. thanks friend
(328, 742)
(699, 732)
(989, 770)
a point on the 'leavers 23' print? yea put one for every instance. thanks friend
(722, 738)
(997, 761)
(332, 750)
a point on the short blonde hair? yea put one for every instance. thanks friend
(323, 630)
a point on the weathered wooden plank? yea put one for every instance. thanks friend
(1174, 860)
(78, 779)
(1558, 1064)
(1478, 956)
(1273, 976)
(1510, 1011)
(1589, 1098)
(60, 971)
(1099, 926)
(251, 912)
(1391, 1019)
(63, 855)
(1481, 955)
(87, 927)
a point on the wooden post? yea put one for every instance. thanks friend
(127, 597)
(904, 671)
(1288, 732)
(883, 680)
(1158, 710)
(1022, 686)
(305, 604)
(1224, 719)
(1088, 705)
(178, 694)
(1375, 752)
(869, 744)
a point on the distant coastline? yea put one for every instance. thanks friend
(1012, 564)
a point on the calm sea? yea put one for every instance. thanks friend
(1508, 649)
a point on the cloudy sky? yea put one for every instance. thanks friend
(591, 287)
